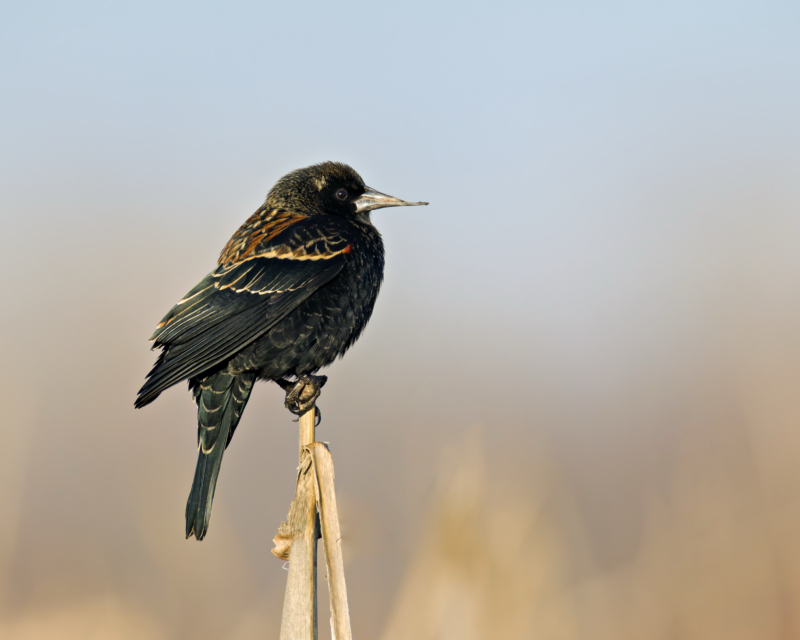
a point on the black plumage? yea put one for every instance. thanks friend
(292, 291)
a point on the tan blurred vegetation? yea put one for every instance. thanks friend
(719, 556)
(498, 557)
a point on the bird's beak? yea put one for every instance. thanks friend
(372, 199)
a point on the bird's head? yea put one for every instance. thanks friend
(330, 188)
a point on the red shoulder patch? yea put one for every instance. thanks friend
(261, 227)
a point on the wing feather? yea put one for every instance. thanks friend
(239, 302)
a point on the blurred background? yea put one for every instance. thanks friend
(576, 411)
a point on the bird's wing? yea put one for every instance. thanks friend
(242, 299)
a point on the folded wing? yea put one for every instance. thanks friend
(240, 301)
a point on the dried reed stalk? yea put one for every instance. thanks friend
(314, 503)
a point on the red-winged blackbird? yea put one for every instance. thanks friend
(293, 290)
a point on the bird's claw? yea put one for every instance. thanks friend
(317, 416)
(302, 395)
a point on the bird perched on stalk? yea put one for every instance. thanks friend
(292, 291)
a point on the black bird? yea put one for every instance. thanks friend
(292, 291)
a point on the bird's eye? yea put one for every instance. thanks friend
(341, 194)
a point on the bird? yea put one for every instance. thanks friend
(292, 291)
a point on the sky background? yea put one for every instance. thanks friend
(602, 294)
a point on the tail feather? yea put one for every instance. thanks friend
(221, 398)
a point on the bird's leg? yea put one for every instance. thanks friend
(302, 394)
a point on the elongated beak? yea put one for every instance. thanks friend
(372, 199)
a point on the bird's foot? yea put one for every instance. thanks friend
(302, 395)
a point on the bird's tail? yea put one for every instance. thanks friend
(221, 398)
